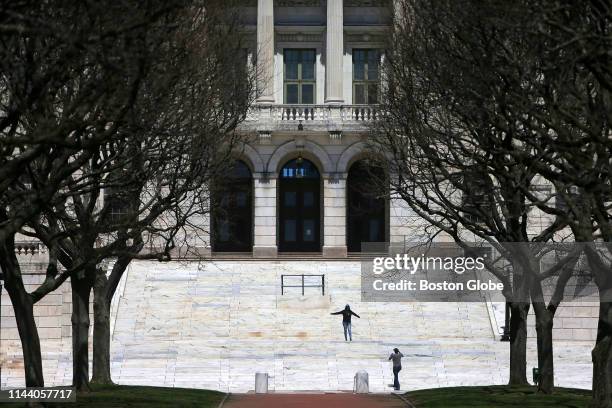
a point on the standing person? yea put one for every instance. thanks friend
(346, 321)
(396, 356)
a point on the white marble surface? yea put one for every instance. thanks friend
(215, 325)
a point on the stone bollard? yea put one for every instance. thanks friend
(362, 384)
(261, 383)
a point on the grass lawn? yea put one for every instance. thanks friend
(139, 396)
(498, 396)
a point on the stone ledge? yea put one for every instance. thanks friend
(265, 251)
(335, 252)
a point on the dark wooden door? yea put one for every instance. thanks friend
(232, 212)
(299, 208)
(366, 209)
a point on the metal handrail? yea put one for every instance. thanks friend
(322, 285)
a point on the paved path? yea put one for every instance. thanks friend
(313, 400)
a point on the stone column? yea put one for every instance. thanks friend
(334, 218)
(335, 51)
(265, 218)
(265, 51)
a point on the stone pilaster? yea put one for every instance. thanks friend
(265, 51)
(334, 217)
(335, 51)
(265, 218)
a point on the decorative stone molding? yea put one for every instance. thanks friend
(292, 147)
(335, 137)
(298, 3)
(299, 37)
(334, 178)
(264, 137)
(367, 3)
(264, 177)
(365, 38)
(347, 156)
(252, 155)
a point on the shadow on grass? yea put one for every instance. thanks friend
(498, 396)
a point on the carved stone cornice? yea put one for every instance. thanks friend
(299, 37)
(298, 3)
(365, 38)
(367, 3)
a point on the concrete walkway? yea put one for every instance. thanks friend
(313, 400)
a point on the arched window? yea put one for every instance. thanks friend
(366, 212)
(232, 211)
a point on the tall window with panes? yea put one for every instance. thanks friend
(299, 76)
(366, 76)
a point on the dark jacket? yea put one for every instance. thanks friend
(346, 315)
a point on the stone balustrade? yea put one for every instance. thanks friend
(30, 248)
(336, 114)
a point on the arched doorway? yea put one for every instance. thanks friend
(366, 213)
(299, 207)
(232, 211)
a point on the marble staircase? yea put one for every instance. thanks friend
(214, 325)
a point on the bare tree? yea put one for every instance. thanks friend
(570, 97)
(146, 190)
(452, 134)
(70, 74)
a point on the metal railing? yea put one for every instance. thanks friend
(303, 285)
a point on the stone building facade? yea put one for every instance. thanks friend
(300, 183)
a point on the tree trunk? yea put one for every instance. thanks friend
(602, 353)
(518, 343)
(544, 329)
(81, 289)
(23, 306)
(101, 333)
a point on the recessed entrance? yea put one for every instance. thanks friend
(366, 209)
(299, 207)
(232, 211)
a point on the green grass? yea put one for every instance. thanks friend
(498, 396)
(139, 396)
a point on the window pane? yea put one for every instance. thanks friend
(373, 233)
(358, 71)
(292, 56)
(292, 93)
(308, 93)
(373, 62)
(308, 71)
(359, 95)
(241, 199)
(358, 56)
(372, 93)
(291, 71)
(308, 199)
(291, 64)
(224, 231)
(358, 64)
(290, 198)
(309, 233)
(300, 169)
(308, 56)
(290, 231)
(225, 199)
(308, 64)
